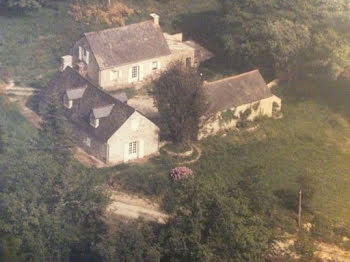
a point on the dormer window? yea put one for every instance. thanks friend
(68, 103)
(73, 94)
(98, 113)
(95, 122)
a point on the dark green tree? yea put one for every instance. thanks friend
(22, 4)
(54, 137)
(180, 99)
(299, 39)
(2, 139)
(214, 222)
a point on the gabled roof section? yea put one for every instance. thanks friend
(127, 44)
(236, 90)
(111, 112)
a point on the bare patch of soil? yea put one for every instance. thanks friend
(133, 207)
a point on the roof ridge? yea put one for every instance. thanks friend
(233, 77)
(116, 28)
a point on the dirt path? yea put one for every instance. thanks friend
(20, 96)
(199, 152)
(134, 207)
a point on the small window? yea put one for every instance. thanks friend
(134, 72)
(67, 102)
(80, 49)
(88, 141)
(114, 74)
(86, 57)
(95, 122)
(132, 147)
(155, 65)
(188, 61)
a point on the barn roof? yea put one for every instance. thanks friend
(127, 44)
(236, 90)
(112, 112)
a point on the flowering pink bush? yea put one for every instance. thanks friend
(180, 173)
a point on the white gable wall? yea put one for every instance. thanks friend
(137, 128)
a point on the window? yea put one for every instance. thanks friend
(95, 122)
(67, 102)
(132, 147)
(155, 65)
(83, 55)
(134, 72)
(113, 75)
(188, 61)
(88, 141)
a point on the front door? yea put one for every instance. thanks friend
(133, 150)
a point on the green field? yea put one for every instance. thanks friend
(32, 43)
(312, 138)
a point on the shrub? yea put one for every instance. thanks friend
(115, 14)
(180, 173)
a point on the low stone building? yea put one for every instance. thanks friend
(116, 57)
(101, 124)
(236, 99)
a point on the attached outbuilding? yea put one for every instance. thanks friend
(101, 124)
(235, 99)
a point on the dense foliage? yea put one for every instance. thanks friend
(48, 202)
(180, 99)
(295, 39)
(97, 13)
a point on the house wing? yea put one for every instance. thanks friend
(112, 112)
(123, 45)
(237, 90)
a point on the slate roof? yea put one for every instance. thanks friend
(236, 90)
(127, 44)
(113, 112)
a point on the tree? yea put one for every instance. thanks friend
(2, 139)
(214, 222)
(180, 99)
(22, 4)
(110, 14)
(53, 136)
(301, 39)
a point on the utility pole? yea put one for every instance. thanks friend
(299, 211)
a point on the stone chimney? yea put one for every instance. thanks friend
(66, 60)
(155, 18)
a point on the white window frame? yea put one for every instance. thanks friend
(114, 75)
(132, 148)
(67, 102)
(134, 72)
(155, 65)
(88, 141)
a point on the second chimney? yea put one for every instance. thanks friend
(67, 60)
(155, 18)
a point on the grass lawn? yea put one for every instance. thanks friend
(31, 44)
(312, 138)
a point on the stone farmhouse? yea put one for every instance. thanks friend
(238, 98)
(101, 124)
(132, 54)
